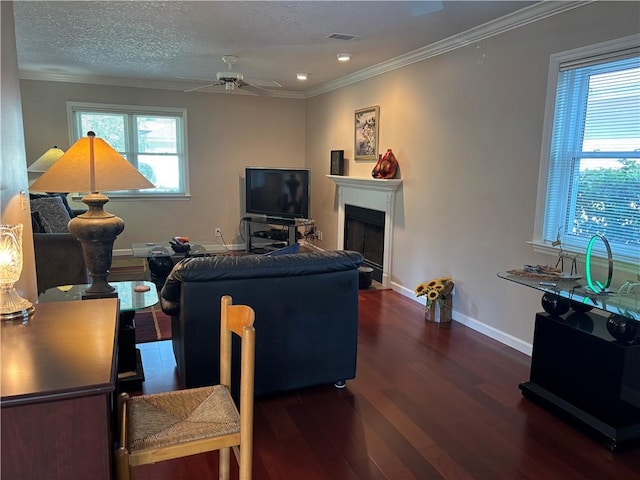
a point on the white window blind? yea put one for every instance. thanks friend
(593, 179)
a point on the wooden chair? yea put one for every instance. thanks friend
(163, 426)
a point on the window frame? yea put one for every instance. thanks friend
(579, 55)
(131, 140)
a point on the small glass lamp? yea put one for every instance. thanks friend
(12, 305)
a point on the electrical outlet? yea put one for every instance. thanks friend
(218, 232)
(319, 234)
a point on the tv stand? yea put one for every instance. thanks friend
(284, 236)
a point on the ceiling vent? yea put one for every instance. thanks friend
(342, 36)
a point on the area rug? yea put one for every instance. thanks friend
(152, 324)
(128, 269)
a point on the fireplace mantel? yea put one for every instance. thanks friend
(376, 194)
(383, 184)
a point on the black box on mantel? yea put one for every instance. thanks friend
(337, 162)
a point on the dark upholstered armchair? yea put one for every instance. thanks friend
(59, 258)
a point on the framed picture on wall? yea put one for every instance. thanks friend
(366, 128)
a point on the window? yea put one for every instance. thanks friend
(152, 139)
(590, 168)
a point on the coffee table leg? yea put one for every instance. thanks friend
(130, 371)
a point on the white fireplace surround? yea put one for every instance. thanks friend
(375, 194)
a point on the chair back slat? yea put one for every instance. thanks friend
(239, 320)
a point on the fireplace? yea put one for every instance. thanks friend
(372, 194)
(364, 233)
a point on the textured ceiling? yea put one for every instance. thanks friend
(182, 43)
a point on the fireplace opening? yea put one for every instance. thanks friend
(364, 233)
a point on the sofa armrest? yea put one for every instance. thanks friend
(170, 307)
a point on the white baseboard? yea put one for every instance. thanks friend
(488, 330)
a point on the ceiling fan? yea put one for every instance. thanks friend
(231, 80)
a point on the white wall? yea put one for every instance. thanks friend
(13, 176)
(225, 134)
(466, 128)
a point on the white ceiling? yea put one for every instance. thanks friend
(180, 45)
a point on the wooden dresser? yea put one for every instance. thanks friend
(59, 374)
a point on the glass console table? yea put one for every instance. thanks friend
(585, 367)
(581, 298)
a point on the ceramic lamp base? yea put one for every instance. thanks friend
(97, 230)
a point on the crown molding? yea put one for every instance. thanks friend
(139, 83)
(520, 18)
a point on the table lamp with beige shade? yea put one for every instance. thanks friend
(46, 160)
(92, 165)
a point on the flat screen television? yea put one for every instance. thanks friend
(277, 192)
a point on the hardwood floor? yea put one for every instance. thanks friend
(427, 403)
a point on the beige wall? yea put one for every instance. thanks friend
(466, 128)
(225, 134)
(13, 176)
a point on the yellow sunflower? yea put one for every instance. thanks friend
(421, 289)
(432, 295)
(433, 289)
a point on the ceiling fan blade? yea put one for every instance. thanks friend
(263, 83)
(255, 90)
(200, 87)
(193, 79)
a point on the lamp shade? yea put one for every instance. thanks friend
(47, 159)
(91, 165)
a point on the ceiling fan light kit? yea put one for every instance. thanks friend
(231, 80)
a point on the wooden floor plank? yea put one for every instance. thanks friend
(427, 403)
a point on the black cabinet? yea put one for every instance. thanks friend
(581, 372)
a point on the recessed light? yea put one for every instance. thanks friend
(344, 57)
(301, 76)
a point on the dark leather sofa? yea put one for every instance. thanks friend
(306, 316)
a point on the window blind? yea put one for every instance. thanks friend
(593, 182)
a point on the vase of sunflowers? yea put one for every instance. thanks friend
(439, 301)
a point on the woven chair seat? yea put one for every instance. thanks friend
(163, 419)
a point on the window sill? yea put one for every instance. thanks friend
(115, 198)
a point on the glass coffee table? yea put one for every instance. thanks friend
(130, 371)
(130, 300)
